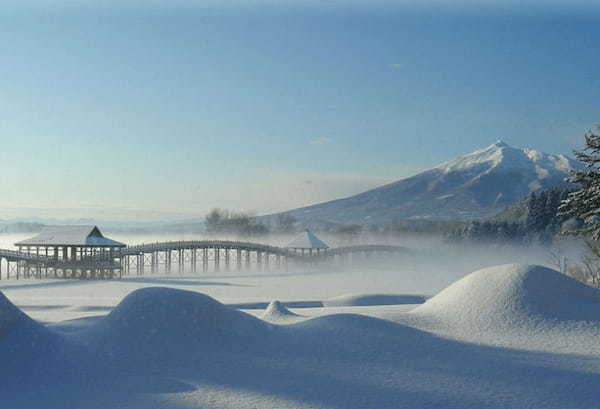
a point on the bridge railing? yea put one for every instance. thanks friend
(20, 255)
(196, 244)
(204, 244)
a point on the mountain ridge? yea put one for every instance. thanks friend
(475, 185)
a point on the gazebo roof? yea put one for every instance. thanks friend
(82, 236)
(307, 240)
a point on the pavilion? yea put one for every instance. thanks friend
(308, 242)
(79, 249)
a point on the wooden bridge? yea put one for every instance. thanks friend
(176, 256)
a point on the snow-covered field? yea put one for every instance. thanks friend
(510, 336)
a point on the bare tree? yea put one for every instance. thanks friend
(286, 223)
(350, 233)
(590, 263)
(229, 222)
(559, 259)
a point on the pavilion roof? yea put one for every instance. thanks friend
(76, 235)
(307, 240)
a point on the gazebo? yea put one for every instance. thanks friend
(307, 241)
(76, 248)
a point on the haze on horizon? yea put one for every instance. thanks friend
(161, 110)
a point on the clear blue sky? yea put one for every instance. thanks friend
(257, 105)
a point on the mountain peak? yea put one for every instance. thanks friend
(502, 155)
(500, 144)
(474, 185)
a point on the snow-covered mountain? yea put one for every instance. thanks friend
(474, 185)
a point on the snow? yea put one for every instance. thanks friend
(516, 305)
(513, 295)
(356, 300)
(166, 312)
(9, 315)
(541, 172)
(508, 336)
(277, 312)
(534, 186)
(492, 156)
(28, 350)
(500, 154)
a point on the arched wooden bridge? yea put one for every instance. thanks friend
(184, 256)
(366, 249)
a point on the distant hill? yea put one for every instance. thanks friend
(20, 227)
(129, 227)
(473, 186)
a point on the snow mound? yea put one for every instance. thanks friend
(276, 311)
(10, 316)
(513, 295)
(24, 343)
(355, 300)
(157, 313)
(14, 323)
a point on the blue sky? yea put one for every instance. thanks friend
(166, 109)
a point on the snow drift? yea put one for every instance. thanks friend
(27, 348)
(277, 311)
(512, 295)
(170, 348)
(15, 325)
(357, 300)
(158, 312)
(10, 316)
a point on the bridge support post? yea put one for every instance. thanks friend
(217, 253)
(168, 261)
(194, 260)
(180, 261)
(238, 259)
(204, 260)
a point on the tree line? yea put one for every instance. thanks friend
(536, 220)
(241, 224)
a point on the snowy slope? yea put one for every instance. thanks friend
(478, 184)
(513, 295)
(172, 349)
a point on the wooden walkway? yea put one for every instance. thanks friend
(181, 256)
